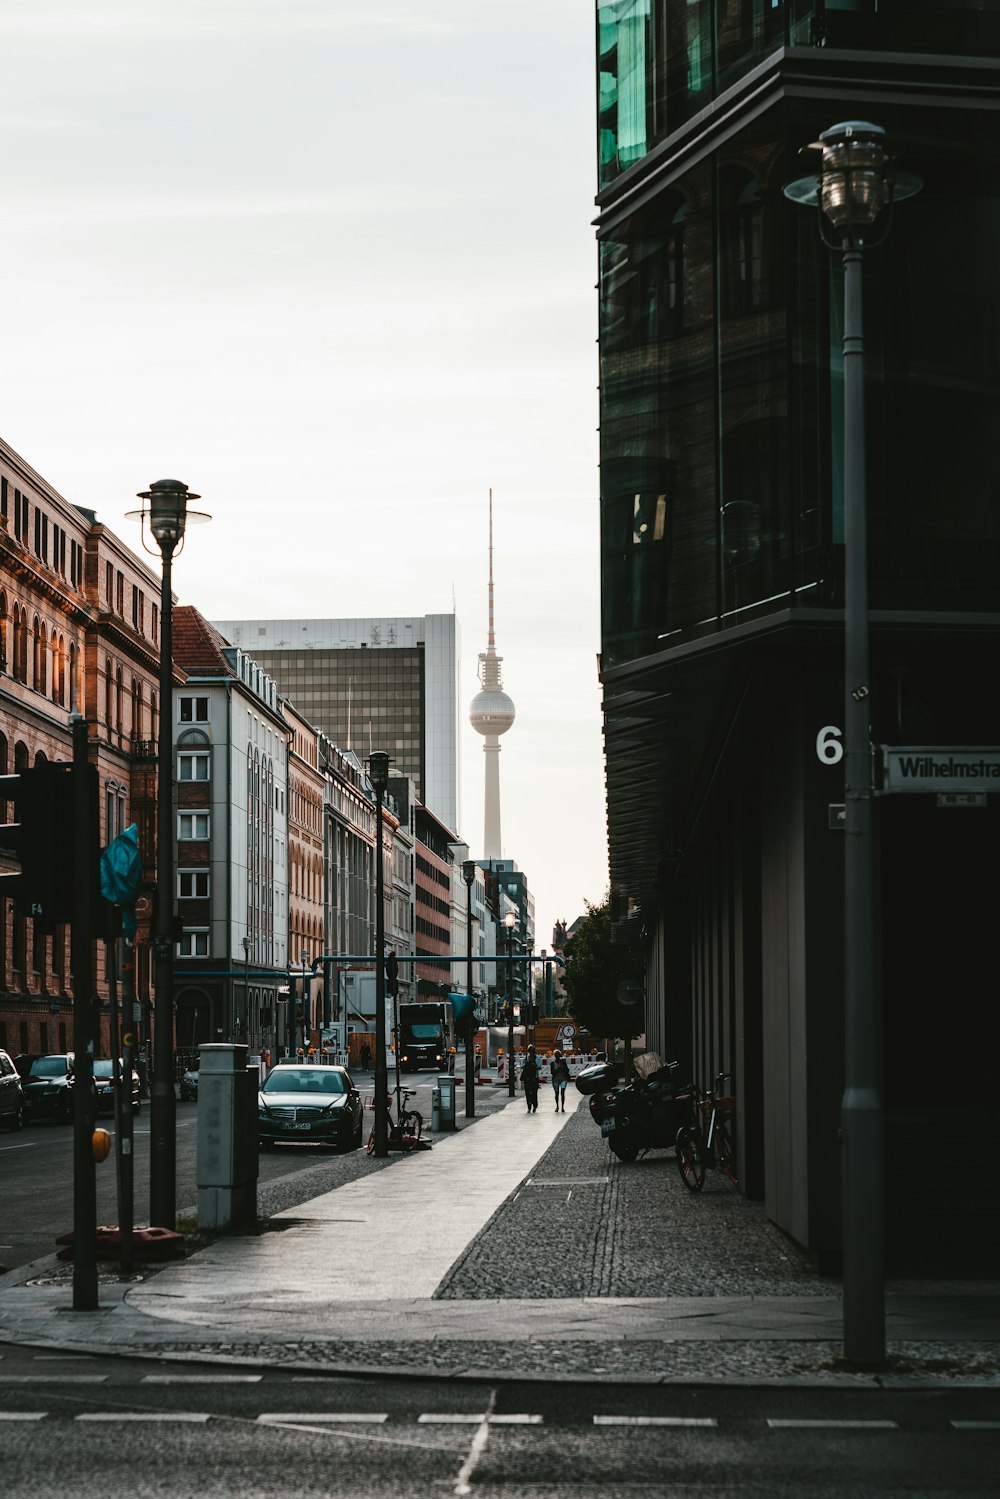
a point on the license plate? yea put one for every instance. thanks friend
(300, 1126)
(608, 1126)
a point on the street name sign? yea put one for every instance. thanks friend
(933, 768)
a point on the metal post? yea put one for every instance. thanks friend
(469, 876)
(163, 1105)
(84, 1180)
(861, 1109)
(379, 775)
(512, 1080)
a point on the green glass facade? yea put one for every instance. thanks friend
(660, 62)
(720, 338)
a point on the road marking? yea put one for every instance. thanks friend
(28, 1145)
(55, 1378)
(201, 1378)
(458, 1418)
(655, 1421)
(326, 1418)
(118, 1416)
(976, 1425)
(23, 1415)
(780, 1423)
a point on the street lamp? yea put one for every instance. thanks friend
(469, 876)
(246, 975)
(510, 921)
(378, 774)
(306, 1002)
(855, 187)
(165, 509)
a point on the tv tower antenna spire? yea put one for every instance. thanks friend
(491, 714)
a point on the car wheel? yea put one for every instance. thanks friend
(358, 1137)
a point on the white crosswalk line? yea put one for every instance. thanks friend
(459, 1418)
(655, 1421)
(976, 1425)
(143, 1416)
(55, 1379)
(201, 1379)
(23, 1415)
(324, 1418)
(781, 1423)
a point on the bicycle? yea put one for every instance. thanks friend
(708, 1139)
(404, 1132)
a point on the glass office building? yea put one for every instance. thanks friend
(721, 322)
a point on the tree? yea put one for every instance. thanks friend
(595, 968)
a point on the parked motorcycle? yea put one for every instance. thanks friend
(642, 1114)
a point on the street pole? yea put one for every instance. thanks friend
(469, 876)
(509, 921)
(378, 774)
(856, 186)
(165, 506)
(84, 1181)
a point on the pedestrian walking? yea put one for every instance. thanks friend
(560, 1077)
(366, 1056)
(529, 1078)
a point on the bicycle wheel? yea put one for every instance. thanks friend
(690, 1159)
(726, 1152)
(411, 1123)
(370, 1147)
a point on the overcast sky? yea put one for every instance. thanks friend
(331, 263)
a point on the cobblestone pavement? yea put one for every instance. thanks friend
(585, 1224)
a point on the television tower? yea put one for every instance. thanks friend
(491, 714)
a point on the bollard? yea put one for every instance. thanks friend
(435, 1110)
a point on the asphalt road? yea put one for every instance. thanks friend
(36, 1174)
(120, 1428)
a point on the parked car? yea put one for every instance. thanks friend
(104, 1086)
(11, 1094)
(303, 1105)
(189, 1084)
(48, 1089)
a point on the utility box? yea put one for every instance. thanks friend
(446, 1105)
(227, 1138)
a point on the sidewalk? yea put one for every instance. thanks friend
(517, 1247)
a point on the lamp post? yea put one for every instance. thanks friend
(378, 774)
(854, 188)
(510, 921)
(165, 507)
(246, 976)
(469, 876)
(306, 1002)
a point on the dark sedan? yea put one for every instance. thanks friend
(309, 1106)
(48, 1089)
(104, 1086)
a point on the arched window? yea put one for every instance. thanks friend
(119, 702)
(136, 709)
(109, 697)
(3, 630)
(37, 655)
(72, 675)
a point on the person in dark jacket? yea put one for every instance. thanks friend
(529, 1077)
(560, 1077)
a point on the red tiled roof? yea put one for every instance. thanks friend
(198, 646)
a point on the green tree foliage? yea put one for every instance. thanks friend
(595, 966)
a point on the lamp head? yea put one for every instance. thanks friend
(469, 872)
(165, 506)
(510, 921)
(378, 770)
(856, 183)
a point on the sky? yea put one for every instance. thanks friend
(331, 263)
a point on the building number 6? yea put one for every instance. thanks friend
(828, 746)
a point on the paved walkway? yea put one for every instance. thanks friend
(382, 1272)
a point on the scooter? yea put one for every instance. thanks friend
(642, 1114)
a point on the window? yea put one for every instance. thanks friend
(120, 593)
(194, 709)
(192, 884)
(138, 608)
(193, 767)
(193, 944)
(193, 826)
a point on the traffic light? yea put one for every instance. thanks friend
(392, 974)
(463, 1008)
(41, 840)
